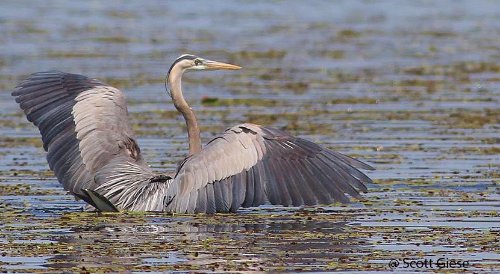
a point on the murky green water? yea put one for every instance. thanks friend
(411, 88)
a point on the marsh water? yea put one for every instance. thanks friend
(411, 87)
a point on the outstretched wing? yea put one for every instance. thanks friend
(249, 165)
(84, 127)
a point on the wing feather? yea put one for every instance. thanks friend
(249, 165)
(220, 204)
(271, 187)
(249, 183)
(90, 144)
(293, 188)
(201, 204)
(211, 208)
(260, 182)
(239, 189)
(277, 170)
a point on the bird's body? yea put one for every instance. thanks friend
(92, 150)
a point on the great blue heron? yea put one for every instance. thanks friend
(92, 150)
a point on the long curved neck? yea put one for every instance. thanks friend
(174, 80)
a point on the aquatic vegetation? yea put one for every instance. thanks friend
(213, 101)
(113, 39)
(421, 105)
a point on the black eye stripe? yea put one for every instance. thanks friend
(197, 62)
(183, 57)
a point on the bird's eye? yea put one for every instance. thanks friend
(197, 62)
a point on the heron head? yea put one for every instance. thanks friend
(192, 62)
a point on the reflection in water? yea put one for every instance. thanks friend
(198, 241)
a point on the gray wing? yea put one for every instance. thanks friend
(85, 130)
(249, 165)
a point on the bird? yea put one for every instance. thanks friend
(92, 149)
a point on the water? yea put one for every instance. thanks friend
(412, 87)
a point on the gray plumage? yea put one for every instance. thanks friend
(92, 150)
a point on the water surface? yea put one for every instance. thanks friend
(411, 87)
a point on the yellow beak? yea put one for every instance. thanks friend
(219, 65)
